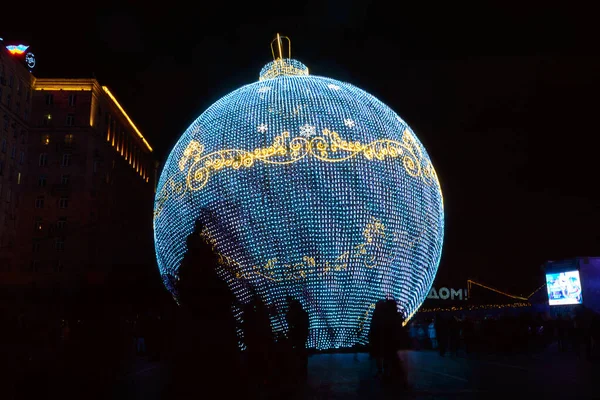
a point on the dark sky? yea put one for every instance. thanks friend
(504, 97)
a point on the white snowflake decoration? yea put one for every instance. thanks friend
(264, 89)
(349, 123)
(262, 128)
(307, 130)
(334, 87)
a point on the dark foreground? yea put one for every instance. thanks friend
(351, 376)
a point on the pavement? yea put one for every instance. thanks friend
(550, 374)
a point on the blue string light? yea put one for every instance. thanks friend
(308, 187)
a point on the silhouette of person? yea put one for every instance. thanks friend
(298, 331)
(441, 329)
(376, 336)
(258, 337)
(206, 326)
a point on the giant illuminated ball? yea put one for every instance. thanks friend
(308, 187)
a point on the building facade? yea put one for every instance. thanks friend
(86, 214)
(15, 110)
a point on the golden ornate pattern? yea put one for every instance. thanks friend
(329, 147)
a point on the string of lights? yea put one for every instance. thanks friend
(470, 282)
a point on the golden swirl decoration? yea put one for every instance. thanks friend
(329, 147)
(364, 252)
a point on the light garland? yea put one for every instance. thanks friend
(473, 307)
(307, 187)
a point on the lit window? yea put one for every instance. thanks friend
(37, 226)
(18, 178)
(60, 244)
(47, 119)
(63, 202)
(70, 120)
(66, 160)
(49, 99)
(58, 267)
(69, 139)
(39, 202)
(43, 159)
(46, 139)
(72, 100)
(61, 223)
(35, 266)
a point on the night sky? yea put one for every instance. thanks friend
(503, 97)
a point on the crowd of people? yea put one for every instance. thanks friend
(78, 353)
(526, 332)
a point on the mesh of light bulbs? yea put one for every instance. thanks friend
(308, 187)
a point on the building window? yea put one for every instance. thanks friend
(63, 202)
(72, 100)
(70, 120)
(43, 159)
(47, 119)
(13, 152)
(37, 226)
(11, 80)
(64, 179)
(18, 178)
(42, 181)
(1, 167)
(3, 146)
(95, 166)
(69, 139)
(8, 100)
(66, 160)
(39, 202)
(61, 223)
(60, 244)
(35, 266)
(46, 140)
(58, 267)
(21, 157)
(8, 194)
(49, 99)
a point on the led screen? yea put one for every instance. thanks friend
(564, 288)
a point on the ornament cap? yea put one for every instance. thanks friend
(282, 66)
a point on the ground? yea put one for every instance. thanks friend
(352, 376)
